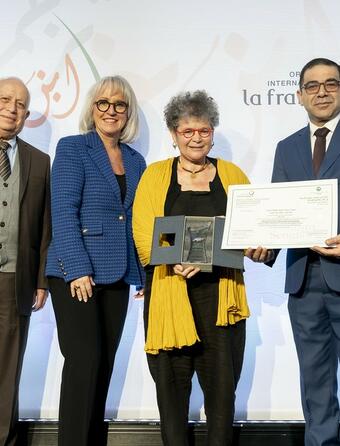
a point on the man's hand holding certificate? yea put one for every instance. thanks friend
(301, 214)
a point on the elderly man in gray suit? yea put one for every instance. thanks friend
(25, 230)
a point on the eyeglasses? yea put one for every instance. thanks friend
(189, 133)
(119, 107)
(313, 87)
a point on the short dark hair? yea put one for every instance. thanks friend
(318, 61)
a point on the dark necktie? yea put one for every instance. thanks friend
(5, 167)
(319, 148)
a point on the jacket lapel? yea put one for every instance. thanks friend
(305, 151)
(332, 153)
(131, 174)
(25, 165)
(99, 156)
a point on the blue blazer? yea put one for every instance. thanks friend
(91, 227)
(293, 162)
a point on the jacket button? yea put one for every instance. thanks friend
(2, 224)
(121, 217)
(64, 274)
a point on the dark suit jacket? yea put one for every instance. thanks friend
(293, 162)
(34, 224)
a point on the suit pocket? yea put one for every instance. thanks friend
(94, 228)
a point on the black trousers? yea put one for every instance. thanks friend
(13, 339)
(89, 335)
(217, 360)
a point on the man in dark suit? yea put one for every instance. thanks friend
(313, 275)
(24, 237)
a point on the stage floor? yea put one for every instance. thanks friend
(147, 433)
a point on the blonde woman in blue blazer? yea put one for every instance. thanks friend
(92, 259)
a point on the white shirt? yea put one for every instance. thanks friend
(331, 127)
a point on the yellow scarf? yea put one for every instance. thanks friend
(171, 323)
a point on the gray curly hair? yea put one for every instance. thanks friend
(187, 104)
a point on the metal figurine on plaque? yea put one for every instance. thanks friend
(198, 242)
(194, 241)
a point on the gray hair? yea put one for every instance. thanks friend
(189, 104)
(19, 81)
(114, 83)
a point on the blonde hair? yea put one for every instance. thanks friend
(113, 83)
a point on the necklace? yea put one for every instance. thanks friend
(193, 172)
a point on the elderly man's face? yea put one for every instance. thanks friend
(13, 107)
(323, 105)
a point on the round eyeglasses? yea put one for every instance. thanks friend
(313, 87)
(119, 107)
(189, 133)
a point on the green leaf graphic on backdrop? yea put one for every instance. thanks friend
(83, 50)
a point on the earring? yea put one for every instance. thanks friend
(212, 144)
(174, 145)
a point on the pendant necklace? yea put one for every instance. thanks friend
(193, 172)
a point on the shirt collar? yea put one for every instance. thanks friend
(330, 125)
(14, 144)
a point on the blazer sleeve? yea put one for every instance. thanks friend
(67, 182)
(42, 281)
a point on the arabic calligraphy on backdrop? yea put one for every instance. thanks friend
(51, 93)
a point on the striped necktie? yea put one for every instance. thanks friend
(5, 167)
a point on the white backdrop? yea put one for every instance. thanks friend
(247, 54)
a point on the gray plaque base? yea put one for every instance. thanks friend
(194, 241)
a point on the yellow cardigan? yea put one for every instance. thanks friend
(171, 323)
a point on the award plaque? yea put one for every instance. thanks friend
(192, 241)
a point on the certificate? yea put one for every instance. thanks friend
(298, 214)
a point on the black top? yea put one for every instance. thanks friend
(195, 203)
(122, 185)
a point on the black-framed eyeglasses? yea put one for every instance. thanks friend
(119, 107)
(204, 132)
(313, 87)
